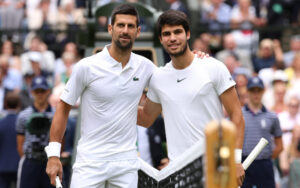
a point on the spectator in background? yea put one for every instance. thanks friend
(9, 157)
(293, 73)
(11, 78)
(63, 74)
(269, 58)
(41, 14)
(274, 95)
(11, 16)
(200, 45)
(47, 56)
(216, 15)
(289, 119)
(7, 49)
(177, 5)
(69, 17)
(229, 45)
(32, 127)
(259, 122)
(243, 19)
(25, 93)
(231, 62)
(240, 77)
(294, 49)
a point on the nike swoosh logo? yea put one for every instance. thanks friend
(179, 80)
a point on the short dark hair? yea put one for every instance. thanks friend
(173, 17)
(125, 9)
(12, 100)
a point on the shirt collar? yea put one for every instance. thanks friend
(113, 62)
(263, 109)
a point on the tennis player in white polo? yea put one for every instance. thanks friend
(190, 92)
(110, 84)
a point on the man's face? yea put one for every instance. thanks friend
(174, 39)
(255, 95)
(124, 31)
(40, 95)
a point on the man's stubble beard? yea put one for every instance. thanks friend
(178, 53)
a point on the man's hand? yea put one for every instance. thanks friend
(54, 168)
(200, 54)
(163, 163)
(240, 174)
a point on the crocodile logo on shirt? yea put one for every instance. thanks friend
(179, 80)
(135, 78)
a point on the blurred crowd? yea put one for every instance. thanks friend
(234, 36)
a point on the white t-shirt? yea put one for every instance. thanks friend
(287, 124)
(190, 100)
(109, 102)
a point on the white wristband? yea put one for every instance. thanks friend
(53, 149)
(238, 155)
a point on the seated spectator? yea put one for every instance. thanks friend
(269, 55)
(11, 78)
(47, 57)
(277, 87)
(63, 73)
(200, 45)
(42, 14)
(177, 5)
(7, 49)
(294, 49)
(11, 17)
(229, 45)
(293, 72)
(243, 19)
(289, 119)
(216, 15)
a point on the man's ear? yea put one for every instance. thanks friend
(160, 40)
(138, 31)
(188, 35)
(109, 28)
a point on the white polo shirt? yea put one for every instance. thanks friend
(109, 102)
(189, 99)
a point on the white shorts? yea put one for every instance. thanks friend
(106, 174)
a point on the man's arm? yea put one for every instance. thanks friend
(233, 108)
(278, 147)
(58, 128)
(20, 143)
(148, 113)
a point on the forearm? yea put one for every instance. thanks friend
(59, 122)
(276, 153)
(143, 119)
(239, 122)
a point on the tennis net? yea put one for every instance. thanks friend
(184, 172)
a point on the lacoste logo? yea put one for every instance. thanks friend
(135, 78)
(179, 80)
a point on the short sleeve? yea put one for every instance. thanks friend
(152, 91)
(75, 85)
(221, 77)
(277, 129)
(20, 124)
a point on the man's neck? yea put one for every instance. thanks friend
(41, 107)
(184, 60)
(121, 56)
(255, 107)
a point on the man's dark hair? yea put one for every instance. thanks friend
(12, 100)
(173, 18)
(125, 9)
